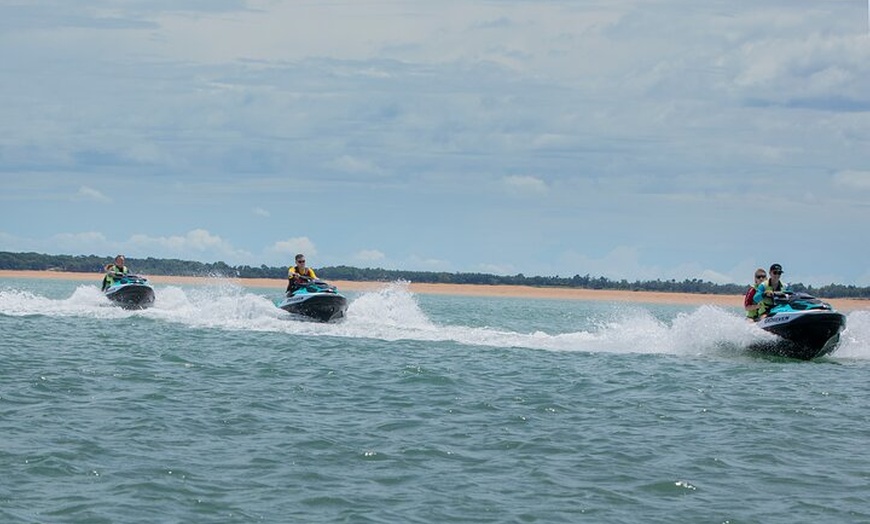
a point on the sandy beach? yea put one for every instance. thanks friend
(843, 304)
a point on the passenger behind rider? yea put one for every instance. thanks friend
(112, 270)
(749, 303)
(299, 275)
(764, 295)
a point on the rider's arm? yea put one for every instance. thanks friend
(749, 300)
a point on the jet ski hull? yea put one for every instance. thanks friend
(131, 295)
(803, 335)
(323, 307)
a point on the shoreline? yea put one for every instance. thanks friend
(477, 290)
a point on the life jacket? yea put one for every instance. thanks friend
(308, 272)
(748, 300)
(294, 283)
(766, 300)
(111, 269)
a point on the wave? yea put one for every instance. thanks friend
(393, 313)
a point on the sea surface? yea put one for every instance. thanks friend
(215, 406)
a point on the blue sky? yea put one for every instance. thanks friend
(636, 139)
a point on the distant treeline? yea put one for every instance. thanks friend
(175, 267)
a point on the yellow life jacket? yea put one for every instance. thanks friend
(308, 272)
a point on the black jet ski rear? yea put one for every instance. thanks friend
(806, 328)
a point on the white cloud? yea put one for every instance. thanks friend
(90, 242)
(497, 269)
(800, 66)
(525, 185)
(716, 277)
(859, 180)
(621, 262)
(12, 243)
(350, 164)
(368, 256)
(87, 193)
(260, 212)
(86, 243)
(429, 264)
(196, 244)
(292, 246)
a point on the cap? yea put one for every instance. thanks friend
(775, 267)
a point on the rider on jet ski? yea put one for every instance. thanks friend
(299, 275)
(767, 289)
(113, 270)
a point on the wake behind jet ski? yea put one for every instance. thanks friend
(315, 299)
(806, 327)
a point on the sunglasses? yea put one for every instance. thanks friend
(776, 273)
(758, 277)
(300, 261)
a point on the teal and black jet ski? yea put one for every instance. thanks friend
(316, 300)
(129, 291)
(805, 326)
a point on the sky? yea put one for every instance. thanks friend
(630, 139)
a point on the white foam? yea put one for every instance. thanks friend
(394, 313)
(855, 339)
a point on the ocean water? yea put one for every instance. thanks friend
(215, 406)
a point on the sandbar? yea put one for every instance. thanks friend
(601, 295)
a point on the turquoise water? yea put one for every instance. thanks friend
(215, 406)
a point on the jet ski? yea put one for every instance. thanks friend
(806, 327)
(130, 291)
(315, 299)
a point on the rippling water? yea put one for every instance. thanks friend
(215, 406)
